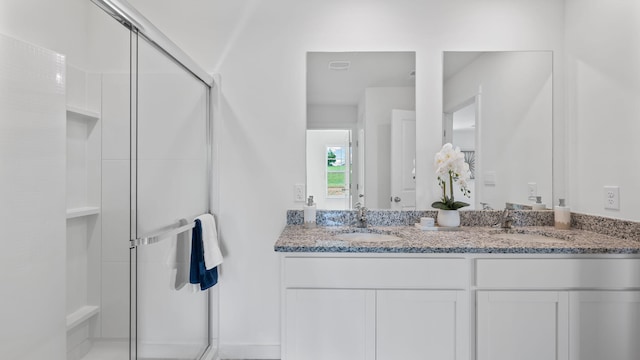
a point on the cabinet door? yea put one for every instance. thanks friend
(605, 325)
(422, 324)
(331, 324)
(523, 325)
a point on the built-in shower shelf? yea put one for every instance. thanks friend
(83, 113)
(81, 315)
(82, 211)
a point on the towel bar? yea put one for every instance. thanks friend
(162, 234)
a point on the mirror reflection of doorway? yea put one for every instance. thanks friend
(329, 163)
(356, 91)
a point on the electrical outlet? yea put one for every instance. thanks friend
(612, 197)
(298, 192)
(532, 190)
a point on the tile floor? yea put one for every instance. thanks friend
(108, 350)
(112, 350)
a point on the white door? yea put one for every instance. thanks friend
(447, 128)
(523, 325)
(335, 324)
(403, 156)
(360, 184)
(605, 325)
(422, 324)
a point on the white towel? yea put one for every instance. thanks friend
(212, 254)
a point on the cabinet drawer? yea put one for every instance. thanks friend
(375, 273)
(558, 273)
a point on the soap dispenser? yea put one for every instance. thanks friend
(310, 213)
(538, 205)
(562, 216)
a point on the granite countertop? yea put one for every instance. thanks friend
(466, 239)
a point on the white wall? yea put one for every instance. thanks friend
(33, 325)
(378, 103)
(332, 117)
(83, 177)
(264, 102)
(603, 105)
(192, 25)
(515, 139)
(33, 212)
(59, 25)
(262, 66)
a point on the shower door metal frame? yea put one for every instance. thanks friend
(133, 193)
(127, 15)
(139, 26)
(137, 238)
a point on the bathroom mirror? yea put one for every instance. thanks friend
(361, 129)
(497, 107)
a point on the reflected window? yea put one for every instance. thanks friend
(336, 171)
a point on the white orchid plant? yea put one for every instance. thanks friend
(450, 168)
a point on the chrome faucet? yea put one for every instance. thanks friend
(486, 206)
(506, 221)
(361, 216)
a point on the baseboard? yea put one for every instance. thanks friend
(247, 351)
(78, 351)
(211, 354)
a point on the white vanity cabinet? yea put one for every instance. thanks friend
(604, 325)
(472, 307)
(563, 325)
(524, 325)
(564, 309)
(361, 307)
(421, 324)
(329, 324)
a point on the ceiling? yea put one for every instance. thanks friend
(367, 69)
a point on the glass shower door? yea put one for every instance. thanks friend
(169, 188)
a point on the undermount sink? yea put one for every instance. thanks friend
(365, 235)
(528, 237)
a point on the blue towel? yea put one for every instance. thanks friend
(198, 273)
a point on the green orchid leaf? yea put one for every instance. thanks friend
(440, 205)
(458, 204)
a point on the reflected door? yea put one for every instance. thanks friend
(403, 157)
(360, 185)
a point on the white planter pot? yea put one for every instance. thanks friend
(449, 218)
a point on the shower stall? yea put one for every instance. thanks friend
(146, 165)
